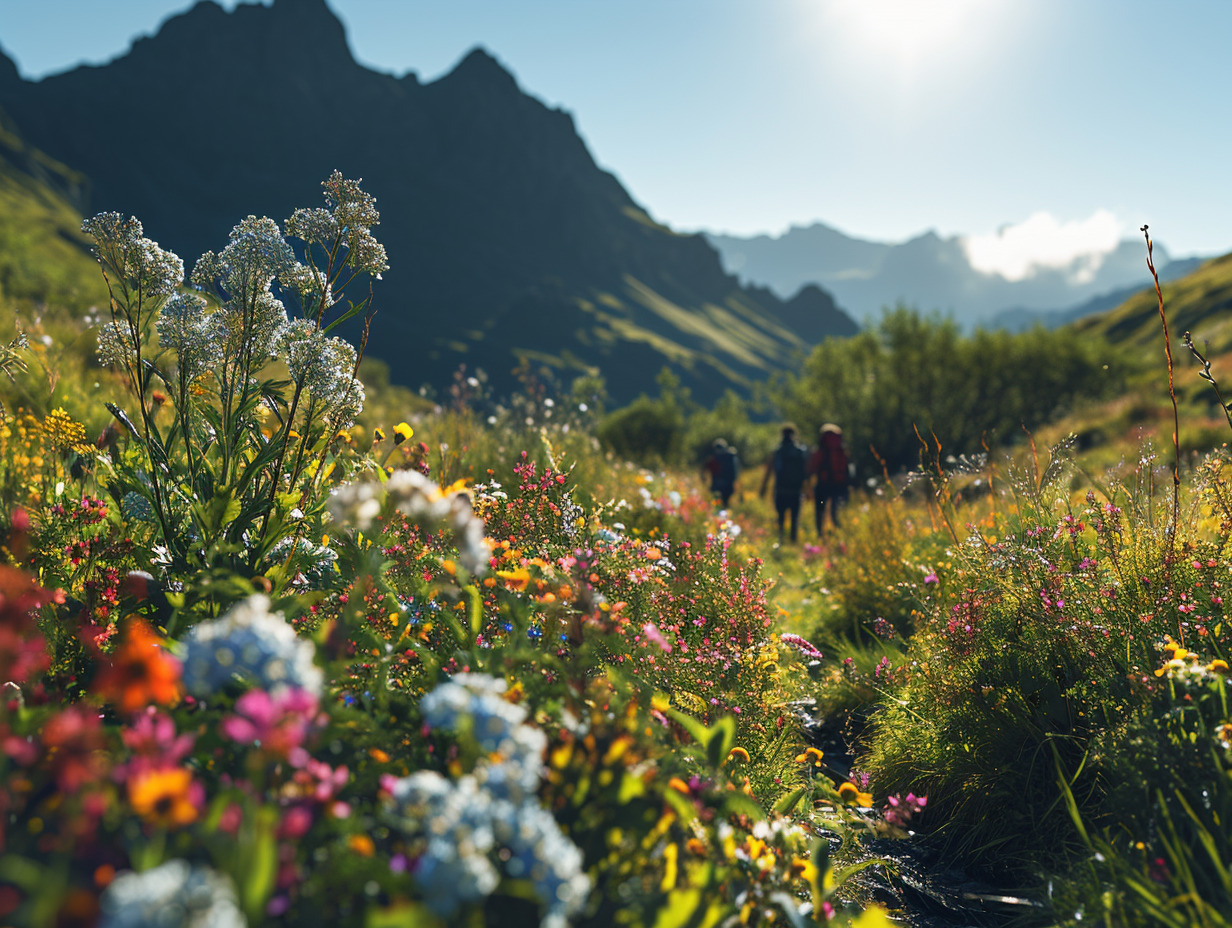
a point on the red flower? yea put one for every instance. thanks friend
(22, 654)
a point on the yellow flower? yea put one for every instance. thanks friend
(811, 756)
(804, 869)
(164, 797)
(1218, 666)
(515, 579)
(670, 855)
(402, 432)
(851, 795)
(738, 753)
(378, 434)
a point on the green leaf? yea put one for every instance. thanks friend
(351, 313)
(681, 904)
(258, 876)
(788, 802)
(681, 805)
(738, 803)
(700, 733)
(402, 915)
(842, 876)
(124, 420)
(631, 787)
(788, 907)
(719, 740)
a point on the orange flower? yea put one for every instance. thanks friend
(738, 753)
(164, 797)
(141, 673)
(362, 845)
(679, 786)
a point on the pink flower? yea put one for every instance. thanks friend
(801, 644)
(277, 724)
(153, 736)
(651, 631)
(295, 823)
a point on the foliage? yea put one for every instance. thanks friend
(285, 669)
(912, 379)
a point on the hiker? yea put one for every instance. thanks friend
(722, 466)
(828, 469)
(787, 464)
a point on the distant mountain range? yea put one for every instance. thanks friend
(506, 242)
(935, 273)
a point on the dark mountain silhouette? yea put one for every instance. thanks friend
(933, 272)
(505, 240)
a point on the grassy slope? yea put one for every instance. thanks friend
(44, 258)
(1113, 431)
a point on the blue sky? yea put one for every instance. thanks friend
(1071, 122)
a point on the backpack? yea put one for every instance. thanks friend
(789, 461)
(832, 463)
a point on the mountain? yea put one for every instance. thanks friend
(1020, 318)
(1198, 302)
(505, 240)
(932, 272)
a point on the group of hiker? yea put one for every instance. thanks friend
(792, 468)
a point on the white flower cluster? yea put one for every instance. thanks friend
(254, 256)
(194, 334)
(173, 895)
(489, 818)
(143, 274)
(116, 347)
(418, 497)
(325, 366)
(252, 644)
(151, 271)
(1191, 672)
(252, 318)
(317, 565)
(355, 213)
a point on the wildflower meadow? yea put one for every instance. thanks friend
(278, 646)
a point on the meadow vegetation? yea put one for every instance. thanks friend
(291, 645)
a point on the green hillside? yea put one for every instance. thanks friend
(1196, 303)
(43, 256)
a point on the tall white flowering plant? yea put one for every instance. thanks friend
(238, 465)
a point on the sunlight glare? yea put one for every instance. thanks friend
(906, 33)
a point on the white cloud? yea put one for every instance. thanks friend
(1078, 246)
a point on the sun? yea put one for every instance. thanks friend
(908, 34)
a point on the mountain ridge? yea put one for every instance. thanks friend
(505, 238)
(930, 271)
